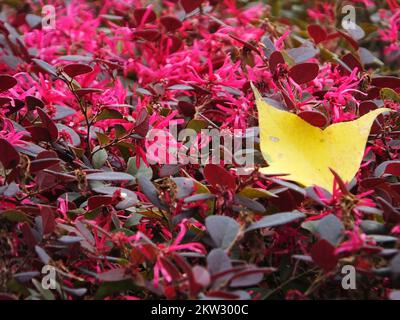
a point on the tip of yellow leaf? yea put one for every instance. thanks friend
(256, 93)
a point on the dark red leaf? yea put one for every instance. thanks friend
(40, 164)
(9, 157)
(389, 167)
(366, 106)
(333, 35)
(77, 69)
(317, 33)
(97, 201)
(170, 268)
(373, 93)
(275, 59)
(289, 102)
(352, 62)
(48, 124)
(323, 254)
(18, 105)
(148, 34)
(186, 108)
(48, 219)
(393, 168)
(144, 15)
(84, 91)
(142, 123)
(390, 214)
(7, 82)
(47, 154)
(170, 23)
(33, 102)
(171, 43)
(304, 72)
(217, 176)
(38, 133)
(190, 5)
(386, 82)
(349, 39)
(370, 183)
(286, 200)
(314, 118)
(29, 237)
(4, 101)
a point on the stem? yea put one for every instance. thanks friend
(83, 108)
(278, 288)
(115, 141)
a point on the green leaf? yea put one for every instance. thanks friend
(14, 215)
(109, 114)
(389, 94)
(119, 131)
(223, 230)
(109, 176)
(276, 220)
(99, 157)
(256, 193)
(103, 138)
(109, 288)
(133, 220)
(180, 87)
(143, 169)
(46, 294)
(330, 228)
(46, 67)
(197, 125)
(92, 214)
(151, 192)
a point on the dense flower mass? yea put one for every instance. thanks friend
(84, 83)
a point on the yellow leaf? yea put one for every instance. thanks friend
(305, 153)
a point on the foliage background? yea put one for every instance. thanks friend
(76, 193)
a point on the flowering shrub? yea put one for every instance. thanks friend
(82, 87)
